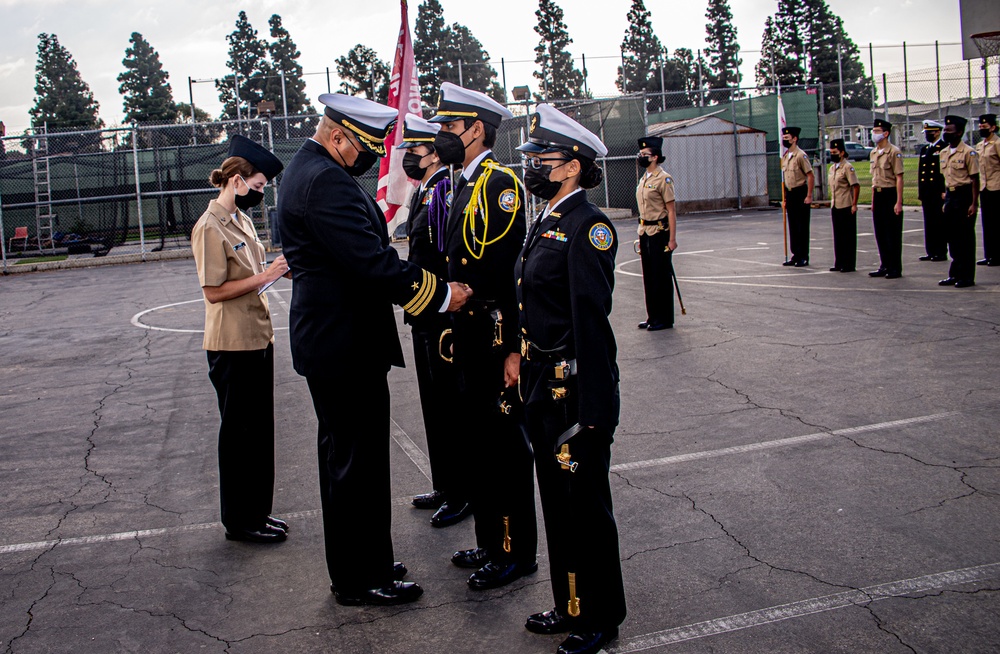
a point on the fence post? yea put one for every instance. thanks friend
(460, 82)
(194, 126)
(663, 88)
(3, 241)
(138, 190)
(503, 70)
(937, 71)
(236, 92)
(871, 67)
(840, 77)
(736, 149)
(284, 104)
(968, 67)
(586, 94)
(906, 95)
(327, 79)
(822, 145)
(604, 163)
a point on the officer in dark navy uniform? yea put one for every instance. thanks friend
(436, 378)
(569, 380)
(930, 191)
(485, 232)
(342, 332)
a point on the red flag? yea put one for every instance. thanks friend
(394, 187)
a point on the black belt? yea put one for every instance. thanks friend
(959, 187)
(880, 189)
(795, 188)
(563, 368)
(645, 223)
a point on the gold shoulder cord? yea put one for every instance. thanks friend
(479, 198)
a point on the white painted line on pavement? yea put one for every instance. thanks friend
(781, 442)
(803, 608)
(136, 320)
(411, 449)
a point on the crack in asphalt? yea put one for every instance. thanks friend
(747, 400)
(667, 547)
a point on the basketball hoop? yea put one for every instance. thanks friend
(988, 44)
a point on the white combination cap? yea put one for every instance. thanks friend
(370, 121)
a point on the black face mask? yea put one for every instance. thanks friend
(931, 136)
(985, 133)
(251, 199)
(643, 161)
(787, 142)
(538, 183)
(411, 166)
(450, 147)
(953, 139)
(834, 157)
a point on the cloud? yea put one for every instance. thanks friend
(10, 67)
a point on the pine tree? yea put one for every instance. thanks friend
(558, 77)
(205, 132)
(146, 94)
(723, 50)
(776, 66)
(642, 53)
(361, 71)
(248, 61)
(284, 57)
(477, 74)
(62, 99)
(431, 40)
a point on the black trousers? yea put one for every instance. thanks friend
(935, 236)
(888, 230)
(989, 204)
(961, 233)
(497, 461)
(657, 276)
(353, 415)
(845, 238)
(438, 386)
(244, 385)
(580, 526)
(798, 222)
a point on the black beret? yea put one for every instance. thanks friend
(262, 159)
(837, 143)
(989, 119)
(957, 121)
(792, 131)
(884, 124)
(651, 142)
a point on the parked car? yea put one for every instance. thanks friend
(856, 151)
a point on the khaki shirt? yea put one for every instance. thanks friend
(988, 151)
(842, 180)
(886, 164)
(795, 167)
(653, 194)
(226, 249)
(959, 166)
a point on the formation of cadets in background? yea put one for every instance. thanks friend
(516, 361)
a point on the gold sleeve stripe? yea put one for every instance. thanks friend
(423, 297)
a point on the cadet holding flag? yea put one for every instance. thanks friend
(342, 330)
(485, 231)
(569, 380)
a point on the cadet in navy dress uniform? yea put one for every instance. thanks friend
(342, 330)
(930, 191)
(569, 380)
(798, 178)
(239, 340)
(960, 166)
(485, 232)
(436, 379)
(887, 201)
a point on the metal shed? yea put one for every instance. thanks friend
(714, 166)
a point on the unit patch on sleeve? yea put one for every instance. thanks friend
(601, 236)
(508, 200)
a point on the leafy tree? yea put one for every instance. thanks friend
(683, 71)
(722, 51)
(62, 99)
(248, 61)
(284, 57)
(777, 65)
(477, 74)
(642, 53)
(146, 94)
(205, 132)
(558, 77)
(361, 71)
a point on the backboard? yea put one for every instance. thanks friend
(977, 16)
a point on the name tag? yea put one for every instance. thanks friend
(239, 246)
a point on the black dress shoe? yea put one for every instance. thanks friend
(265, 534)
(790, 262)
(926, 257)
(278, 524)
(847, 270)
(950, 281)
(801, 263)
(835, 269)
(993, 263)
(983, 262)
(893, 274)
(549, 622)
(474, 558)
(398, 592)
(431, 500)
(881, 272)
(939, 258)
(451, 513)
(964, 283)
(657, 326)
(398, 571)
(644, 324)
(495, 575)
(588, 642)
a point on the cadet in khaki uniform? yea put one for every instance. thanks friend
(887, 201)
(239, 340)
(960, 166)
(844, 191)
(797, 176)
(657, 235)
(988, 151)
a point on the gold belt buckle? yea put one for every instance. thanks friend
(559, 393)
(525, 350)
(562, 370)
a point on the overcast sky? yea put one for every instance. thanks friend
(190, 37)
